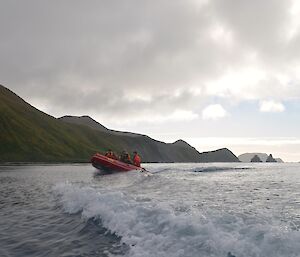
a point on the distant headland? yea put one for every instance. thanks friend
(258, 157)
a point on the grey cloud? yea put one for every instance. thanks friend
(91, 55)
(258, 24)
(115, 103)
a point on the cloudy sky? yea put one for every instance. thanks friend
(215, 73)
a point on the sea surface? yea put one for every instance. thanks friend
(182, 210)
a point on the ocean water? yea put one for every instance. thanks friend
(182, 210)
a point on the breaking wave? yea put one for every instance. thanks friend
(152, 229)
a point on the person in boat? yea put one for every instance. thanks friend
(111, 154)
(136, 159)
(125, 157)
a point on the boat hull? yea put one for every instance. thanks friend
(106, 164)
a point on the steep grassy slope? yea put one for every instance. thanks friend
(27, 134)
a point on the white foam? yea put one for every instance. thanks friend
(153, 229)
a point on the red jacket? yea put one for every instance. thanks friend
(137, 160)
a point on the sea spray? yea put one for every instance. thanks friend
(154, 229)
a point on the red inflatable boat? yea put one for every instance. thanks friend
(102, 162)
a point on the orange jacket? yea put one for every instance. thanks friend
(111, 155)
(137, 160)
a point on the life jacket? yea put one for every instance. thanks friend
(137, 160)
(125, 157)
(110, 155)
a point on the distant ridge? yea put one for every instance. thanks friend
(90, 122)
(30, 135)
(182, 143)
(83, 120)
(279, 160)
(246, 157)
(220, 155)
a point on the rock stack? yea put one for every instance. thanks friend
(256, 159)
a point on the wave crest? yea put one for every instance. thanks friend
(152, 229)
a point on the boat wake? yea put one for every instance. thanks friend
(151, 229)
(212, 169)
(186, 167)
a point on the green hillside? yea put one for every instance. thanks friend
(29, 135)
